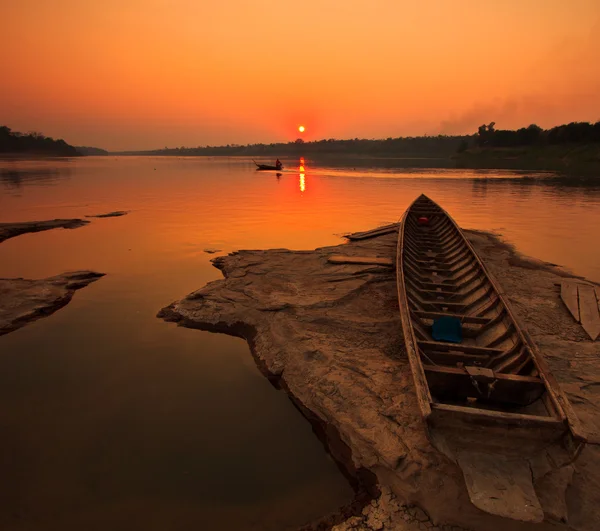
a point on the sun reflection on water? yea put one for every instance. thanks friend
(302, 172)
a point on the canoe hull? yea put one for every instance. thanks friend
(490, 393)
(264, 167)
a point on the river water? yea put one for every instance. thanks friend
(114, 419)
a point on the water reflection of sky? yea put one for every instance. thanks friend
(545, 214)
(15, 179)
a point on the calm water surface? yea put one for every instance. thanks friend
(114, 419)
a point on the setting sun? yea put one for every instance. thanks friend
(301, 129)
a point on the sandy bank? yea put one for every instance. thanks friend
(330, 335)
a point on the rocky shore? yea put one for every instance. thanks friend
(330, 335)
(10, 230)
(115, 214)
(23, 301)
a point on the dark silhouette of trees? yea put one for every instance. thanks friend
(463, 146)
(485, 133)
(33, 142)
(87, 150)
(573, 133)
(403, 147)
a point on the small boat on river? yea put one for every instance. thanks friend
(267, 167)
(486, 394)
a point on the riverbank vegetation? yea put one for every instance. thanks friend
(574, 146)
(421, 146)
(86, 150)
(33, 143)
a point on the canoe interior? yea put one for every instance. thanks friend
(494, 374)
(488, 397)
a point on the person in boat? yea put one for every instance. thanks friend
(278, 164)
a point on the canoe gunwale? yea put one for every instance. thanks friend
(414, 358)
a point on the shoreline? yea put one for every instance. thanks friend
(12, 230)
(567, 162)
(565, 158)
(24, 301)
(37, 156)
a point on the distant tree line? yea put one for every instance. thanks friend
(423, 146)
(14, 142)
(573, 133)
(86, 150)
(441, 146)
(419, 146)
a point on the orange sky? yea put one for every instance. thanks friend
(147, 74)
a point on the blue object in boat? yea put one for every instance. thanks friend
(447, 329)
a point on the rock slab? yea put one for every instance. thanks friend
(10, 230)
(330, 335)
(23, 301)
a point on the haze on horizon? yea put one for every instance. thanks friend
(148, 74)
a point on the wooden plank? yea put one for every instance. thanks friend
(464, 318)
(435, 285)
(441, 272)
(509, 390)
(439, 292)
(434, 263)
(443, 303)
(568, 293)
(450, 359)
(421, 387)
(501, 486)
(517, 419)
(379, 231)
(364, 260)
(425, 212)
(588, 310)
(459, 347)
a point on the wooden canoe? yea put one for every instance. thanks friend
(489, 393)
(267, 167)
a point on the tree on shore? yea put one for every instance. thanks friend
(572, 133)
(33, 142)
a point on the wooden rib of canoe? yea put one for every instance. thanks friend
(491, 393)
